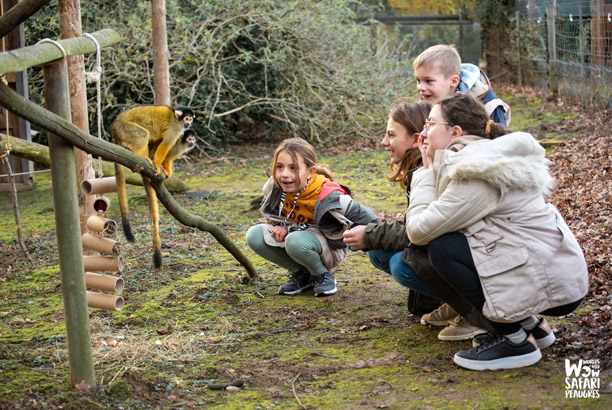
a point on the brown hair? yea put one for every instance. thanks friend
(299, 147)
(443, 57)
(468, 113)
(412, 117)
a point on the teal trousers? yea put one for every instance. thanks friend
(302, 250)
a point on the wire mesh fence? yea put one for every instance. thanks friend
(563, 45)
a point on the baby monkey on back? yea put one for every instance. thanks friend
(159, 134)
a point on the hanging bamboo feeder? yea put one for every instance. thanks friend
(102, 263)
(99, 186)
(104, 301)
(101, 204)
(101, 244)
(103, 282)
(101, 225)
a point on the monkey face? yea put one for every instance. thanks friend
(189, 138)
(185, 115)
(187, 121)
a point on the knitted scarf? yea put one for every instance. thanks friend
(299, 207)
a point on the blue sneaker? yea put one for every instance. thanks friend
(325, 284)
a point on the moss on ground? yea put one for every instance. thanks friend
(196, 321)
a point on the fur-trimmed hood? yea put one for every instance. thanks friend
(512, 161)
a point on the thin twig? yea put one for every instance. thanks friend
(294, 392)
(4, 156)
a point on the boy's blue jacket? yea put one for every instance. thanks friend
(474, 81)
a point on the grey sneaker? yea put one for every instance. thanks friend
(325, 284)
(298, 282)
(439, 317)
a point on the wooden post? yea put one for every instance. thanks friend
(161, 72)
(70, 26)
(67, 226)
(551, 14)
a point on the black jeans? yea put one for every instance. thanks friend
(451, 256)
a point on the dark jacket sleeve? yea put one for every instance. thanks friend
(359, 214)
(387, 236)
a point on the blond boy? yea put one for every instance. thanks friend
(440, 74)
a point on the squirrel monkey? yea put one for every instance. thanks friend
(183, 145)
(142, 126)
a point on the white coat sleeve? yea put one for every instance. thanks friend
(459, 206)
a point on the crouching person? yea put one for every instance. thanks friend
(478, 204)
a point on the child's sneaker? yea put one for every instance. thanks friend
(325, 284)
(298, 282)
(500, 353)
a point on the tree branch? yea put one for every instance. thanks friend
(96, 146)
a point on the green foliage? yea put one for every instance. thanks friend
(249, 69)
(494, 15)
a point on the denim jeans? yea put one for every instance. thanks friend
(391, 263)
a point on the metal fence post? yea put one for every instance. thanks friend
(518, 49)
(552, 48)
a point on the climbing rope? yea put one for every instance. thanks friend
(95, 75)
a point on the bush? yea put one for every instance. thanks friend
(249, 69)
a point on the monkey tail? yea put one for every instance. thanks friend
(123, 203)
(154, 212)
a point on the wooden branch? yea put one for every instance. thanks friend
(40, 154)
(22, 58)
(112, 152)
(19, 13)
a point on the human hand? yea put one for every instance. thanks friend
(280, 232)
(423, 149)
(354, 237)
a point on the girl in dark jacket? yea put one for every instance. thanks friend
(389, 248)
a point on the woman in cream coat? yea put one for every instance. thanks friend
(479, 204)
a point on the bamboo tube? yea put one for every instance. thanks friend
(104, 301)
(102, 263)
(99, 185)
(102, 225)
(108, 283)
(101, 244)
(101, 204)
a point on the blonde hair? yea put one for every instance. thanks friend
(443, 57)
(412, 117)
(299, 147)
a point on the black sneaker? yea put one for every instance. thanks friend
(298, 282)
(499, 353)
(325, 284)
(542, 333)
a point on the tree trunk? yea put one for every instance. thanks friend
(70, 26)
(161, 73)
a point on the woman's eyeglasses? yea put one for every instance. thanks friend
(429, 124)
